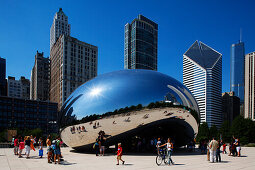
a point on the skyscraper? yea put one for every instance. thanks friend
(202, 75)
(18, 88)
(230, 106)
(141, 44)
(59, 26)
(237, 71)
(40, 78)
(249, 96)
(73, 62)
(3, 81)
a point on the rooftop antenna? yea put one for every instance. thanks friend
(240, 34)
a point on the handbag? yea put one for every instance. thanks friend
(40, 152)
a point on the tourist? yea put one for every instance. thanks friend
(21, 146)
(218, 157)
(32, 143)
(234, 153)
(27, 146)
(40, 145)
(96, 147)
(169, 146)
(158, 144)
(119, 154)
(102, 143)
(49, 149)
(208, 151)
(57, 152)
(12, 143)
(238, 147)
(213, 146)
(16, 146)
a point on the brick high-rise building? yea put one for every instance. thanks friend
(40, 78)
(73, 62)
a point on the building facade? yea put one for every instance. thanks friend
(230, 106)
(3, 81)
(59, 26)
(202, 75)
(28, 114)
(141, 44)
(249, 96)
(40, 78)
(73, 62)
(18, 88)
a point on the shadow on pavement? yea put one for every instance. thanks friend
(66, 163)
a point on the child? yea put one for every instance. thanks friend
(119, 154)
(40, 144)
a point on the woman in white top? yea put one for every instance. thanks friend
(169, 147)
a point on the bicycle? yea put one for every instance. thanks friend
(162, 156)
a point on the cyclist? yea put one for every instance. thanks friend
(169, 146)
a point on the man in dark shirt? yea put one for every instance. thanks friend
(27, 146)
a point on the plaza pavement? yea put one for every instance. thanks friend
(81, 161)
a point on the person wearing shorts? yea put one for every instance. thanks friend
(27, 146)
(16, 146)
(119, 154)
(238, 148)
(57, 152)
(21, 146)
(49, 149)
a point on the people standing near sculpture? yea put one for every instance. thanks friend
(21, 146)
(49, 149)
(27, 146)
(119, 154)
(213, 145)
(158, 144)
(101, 139)
(40, 145)
(16, 145)
(238, 147)
(218, 157)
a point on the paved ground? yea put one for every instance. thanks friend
(81, 161)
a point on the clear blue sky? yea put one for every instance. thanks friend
(25, 28)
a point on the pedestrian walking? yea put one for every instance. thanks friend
(169, 147)
(218, 157)
(16, 146)
(21, 146)
(49, 149)
(119, 154)
(238, 147)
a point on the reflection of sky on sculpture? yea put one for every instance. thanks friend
(119, 89)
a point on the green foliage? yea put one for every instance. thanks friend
(203, 132)
(225, 131)
(243, 129)
(214, 132)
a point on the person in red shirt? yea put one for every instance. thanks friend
(16, 146)
(119, 154)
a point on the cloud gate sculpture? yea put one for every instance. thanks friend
(127, 104)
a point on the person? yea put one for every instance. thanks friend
(238, 147)
(213, 146)
(101, 138)
(158, 144)
(169, 147)
(21, 146)
(16, 146)
(208, 151)
(119, 154)
(57, 150)
(218, 157)
(49, 149)
(40, 145)
(27, 146)
(224, 148)
(230, 149)
(12, 143)
(96, 147)
(32, 143)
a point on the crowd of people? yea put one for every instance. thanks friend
(213, 148)
(29, 143)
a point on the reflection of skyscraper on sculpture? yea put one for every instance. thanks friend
(202, 75)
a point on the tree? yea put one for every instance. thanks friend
(225, 131)
(213, 132)
(243, 129)
(203, 132)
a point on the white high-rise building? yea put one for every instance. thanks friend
(249, 92)
(202, 75)
(59, 26)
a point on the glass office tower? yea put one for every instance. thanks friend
(141, 44)
(237, 70)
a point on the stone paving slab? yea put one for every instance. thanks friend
(77, 161)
